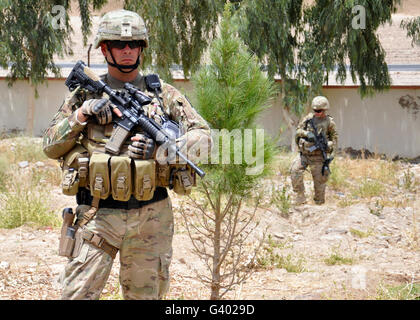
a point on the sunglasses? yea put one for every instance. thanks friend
(318, 111)
(116, 44)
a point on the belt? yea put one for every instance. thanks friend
(84, 197)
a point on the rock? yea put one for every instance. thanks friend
(4, 265)
(279, 236)
(332, 237)
(23, 164)
(336, 230)
(39, 164)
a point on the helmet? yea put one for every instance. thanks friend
(320, 103)
(121, 25)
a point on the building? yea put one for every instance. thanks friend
(387, 123)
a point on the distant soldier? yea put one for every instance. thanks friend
(123, 202)
(310, 151)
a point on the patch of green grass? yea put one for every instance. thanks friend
(369, 189)
(270, 259)
(336, 259)
(345, 202)
(283, 163)
(338, 177)
(4, 167)
(288, 262)
(361, 234)
(281, 200)
(408, 181)
(409, 291)
(25, 206)
(385, 172)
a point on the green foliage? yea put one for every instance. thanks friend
(27, 206)
(32, 36)
(337, 259)
(271, 30)
(231, 92)
(270, 258)
(296, 41)
(407, 291)
(29, 39)
(179, 31)
(85, 6)
(281, 199)
(413, 29)
(369, 188)
(331, 26)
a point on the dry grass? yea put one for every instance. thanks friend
(24, 191)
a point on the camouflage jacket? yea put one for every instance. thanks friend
(325, 125)
(65, 131)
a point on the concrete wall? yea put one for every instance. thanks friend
(15, 102)
(387, 123)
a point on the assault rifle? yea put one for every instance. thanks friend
(130, 104)
(321, 143)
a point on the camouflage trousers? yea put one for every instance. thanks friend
(299, 165)
(144, 238)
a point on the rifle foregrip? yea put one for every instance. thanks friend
(149, 128)
(119, 135)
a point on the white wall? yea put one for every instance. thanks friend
(379, 124)
(15, 101)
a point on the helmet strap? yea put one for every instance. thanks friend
(119, 66)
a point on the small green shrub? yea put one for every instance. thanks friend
(281, 200)
(27, 207)
(370, 189)
(360, 234)
(336, 259)
(409, 291)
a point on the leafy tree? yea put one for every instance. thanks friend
(34, 32)
(179, 31)
(413, 29)
(231, 91)
(304, 44)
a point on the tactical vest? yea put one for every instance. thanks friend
(322, 126)
(87, 165)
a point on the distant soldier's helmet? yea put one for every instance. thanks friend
(121, 25)
(320, 103)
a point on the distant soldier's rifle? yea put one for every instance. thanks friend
(321, 143)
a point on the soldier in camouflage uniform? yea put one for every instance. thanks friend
(304, 139)
(138, 226)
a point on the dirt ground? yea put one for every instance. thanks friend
(381, 247)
